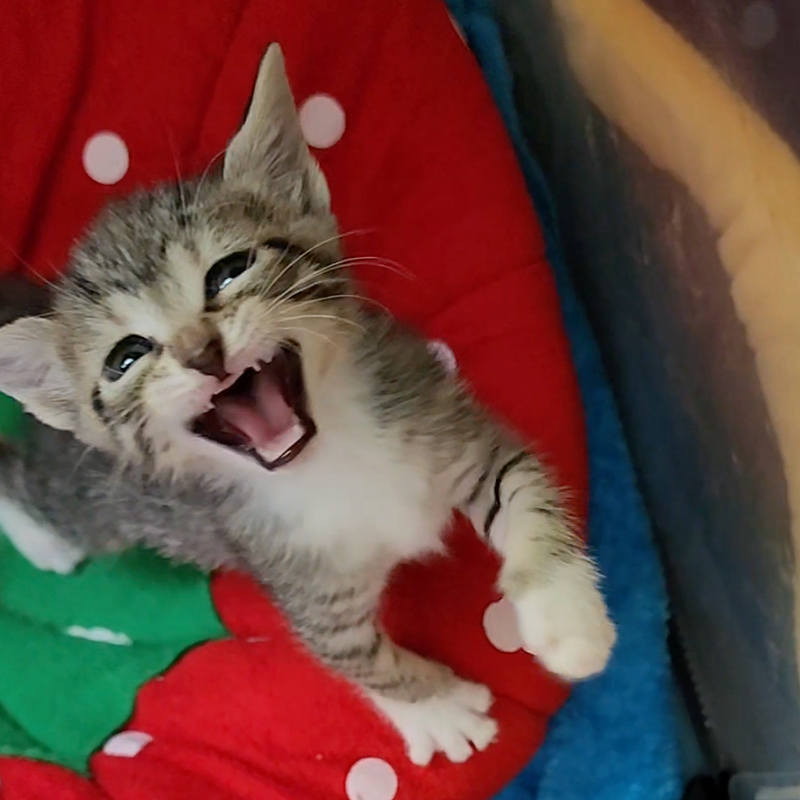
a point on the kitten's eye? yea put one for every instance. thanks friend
(226, 270)
(124, 355)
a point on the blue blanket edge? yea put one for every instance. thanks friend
(616, 738)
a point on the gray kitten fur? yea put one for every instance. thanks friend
(401, 442)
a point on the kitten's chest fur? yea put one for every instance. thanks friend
(360, 492)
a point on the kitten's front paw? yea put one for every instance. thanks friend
(565, 624)
(452, 723)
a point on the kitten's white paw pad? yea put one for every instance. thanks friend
(453, 723)
(565, 625)
(41, 546)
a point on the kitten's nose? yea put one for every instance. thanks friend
(210, 360)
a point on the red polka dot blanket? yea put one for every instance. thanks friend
(99, 98)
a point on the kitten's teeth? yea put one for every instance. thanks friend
(282, 443)
(228, 382)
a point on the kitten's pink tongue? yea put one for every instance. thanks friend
(263, 418)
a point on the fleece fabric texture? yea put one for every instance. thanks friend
(75, 652)
(422, 174)
(616, 738)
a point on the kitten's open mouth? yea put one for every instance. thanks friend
(263, 413)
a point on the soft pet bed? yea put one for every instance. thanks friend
(153, 682)
(616, 737)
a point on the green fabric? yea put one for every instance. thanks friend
(12, 418)
(63, 694)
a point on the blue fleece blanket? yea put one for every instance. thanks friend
(615, 739)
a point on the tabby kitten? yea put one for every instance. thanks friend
(244, 408)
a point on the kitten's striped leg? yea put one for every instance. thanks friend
(546, 574)
(432, 709)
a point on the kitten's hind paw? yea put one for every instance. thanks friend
(565, 624)
(452, 723)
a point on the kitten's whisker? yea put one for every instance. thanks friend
(206, 171)
(230, 204)
(356, 232)
(28, 266)
(341, 261)
(289, 293)
(378, 261)
(292, 290)
(361, 298)
(314, 276)
(368, 260)
(175, 161)
(299, 258)
(318, 334)
(15, 255)
(81, 458)
(334, 317)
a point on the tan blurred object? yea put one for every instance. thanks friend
(669, 100)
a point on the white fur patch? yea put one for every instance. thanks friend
(565, 624)
(370, 496)
(44, 548)
(452, 724)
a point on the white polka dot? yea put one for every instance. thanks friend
(322, 120)
(371, 779)
(458, 28)
(99, 635)
(759, 25)
(105, 157)
(500, 625)
(443, 352)
(127, 744)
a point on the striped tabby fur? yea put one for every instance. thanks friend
(400, 442)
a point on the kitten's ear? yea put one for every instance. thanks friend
(32, 372)
(269, 151)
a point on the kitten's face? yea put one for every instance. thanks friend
(195, 320)
(199, 338)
